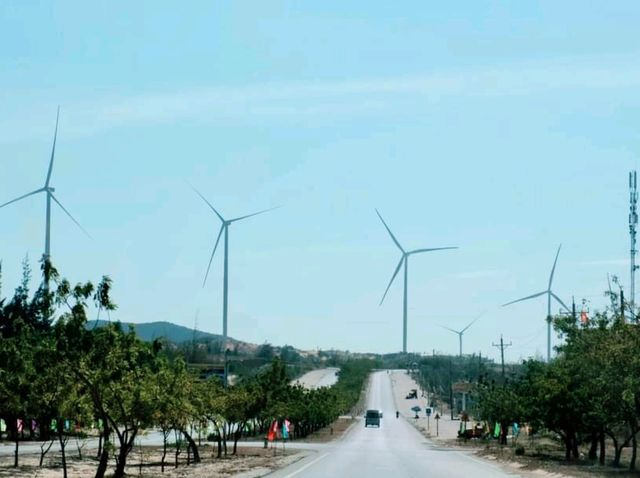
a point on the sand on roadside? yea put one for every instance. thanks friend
(248, 463)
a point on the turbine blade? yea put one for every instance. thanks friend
(395, 273)
(22, 197)
(450, 329)
(69, 214)
(389, 231)
(53, 150)
(208, 204)
(212, 254)
(254, 214)
(417, 251)
(553, 269)
(470, 324)
(558, 299)
(533, 296)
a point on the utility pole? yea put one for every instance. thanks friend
(450, 388)
(573, 308)
(633, 223)
(502, 346)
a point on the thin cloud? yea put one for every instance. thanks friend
(335, 98)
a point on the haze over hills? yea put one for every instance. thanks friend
(179, 334)
(154, 330)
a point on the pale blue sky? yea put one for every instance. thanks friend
(502, 127)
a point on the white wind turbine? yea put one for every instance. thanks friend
(224, 228)
(404, 261)
(48, 190)
(549, 293)
(460, 333)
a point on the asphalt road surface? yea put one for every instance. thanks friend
(394, 450)
(324, 377)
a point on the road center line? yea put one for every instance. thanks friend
(307, 466)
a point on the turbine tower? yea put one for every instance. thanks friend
(404, 261)
(549, 293)
(48, 190)
(225, 281)
(461, 332)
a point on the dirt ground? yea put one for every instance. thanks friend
(248, 463)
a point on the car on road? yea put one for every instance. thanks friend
(372, 417)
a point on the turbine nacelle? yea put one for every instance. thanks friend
(49, 190)
(404, 260)
(550, 294)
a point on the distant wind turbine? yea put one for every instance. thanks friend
(549, 293)
(224, 228)
(48, 190)
(404, 261)
(461, 332)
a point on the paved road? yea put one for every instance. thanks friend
(394, 450)
(324, 377)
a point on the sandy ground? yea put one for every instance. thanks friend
(323, 377)
(444, 430)
(249, 463)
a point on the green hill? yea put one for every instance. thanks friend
(154, 330)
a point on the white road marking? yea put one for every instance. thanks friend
(307, 465)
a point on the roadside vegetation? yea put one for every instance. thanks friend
(589, 396)
(60, 380)
(582, 407)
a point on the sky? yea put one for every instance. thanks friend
(503, 128)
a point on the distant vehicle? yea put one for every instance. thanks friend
(372, 417)
(412, 394)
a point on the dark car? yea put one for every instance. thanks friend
(372, 417)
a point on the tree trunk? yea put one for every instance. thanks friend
(567, 447)
(593, 449)
(193, 446)
(634, 451)
(574, 446)
(165, 434)
(126, 444)
(62, 450)
(177, 447)
(219, 440)
(104, 455)
(43, 452)
(121, 462)
(504, 430)
(15, 459)
(617, 451)
(602, 448)
(236, 437)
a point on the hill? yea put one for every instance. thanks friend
(154, 330)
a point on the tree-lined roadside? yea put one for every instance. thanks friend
(60, 379)
(589, 396)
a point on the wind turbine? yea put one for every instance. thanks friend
(404, 261)
(48, 190)
(224, 228)
(549, 293)
(461, 332)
